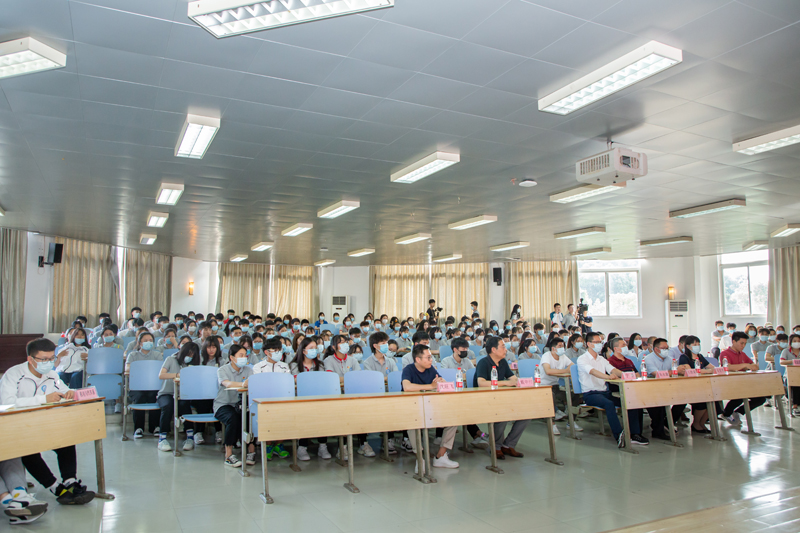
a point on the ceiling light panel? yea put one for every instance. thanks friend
(645, 61)
(25, 56)
(147, 238)
(157, 220)
(768, 142)
(196, 136)
(223, 18)
(579, 253)
(362, 252)
(580, 232)
(473, 222)
(169, 193)
(2, 212)
(238, 258)
(297, 229)
(425, 167)
(338, 209)
(510, 246)
(670, 240)
(707, 209)
(325, 262)
(261, 247)
(583, 192)
(443, 258)
(785, 231)
(755, 245)
(408, 239)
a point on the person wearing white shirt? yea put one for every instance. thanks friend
(556, 318)
(72, 358)
(273, 357)
(593, 372)
(717, 334)
(554, 366)
(726, 341)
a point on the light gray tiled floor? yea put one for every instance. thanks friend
(598, 488)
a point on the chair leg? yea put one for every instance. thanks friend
(601, 416)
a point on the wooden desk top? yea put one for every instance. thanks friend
(654, 392)
(740, 385)
(793, 375)
(18, 410)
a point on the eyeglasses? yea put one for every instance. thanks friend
(428, 358)
(38, 360)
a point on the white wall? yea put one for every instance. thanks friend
(496, 309)
(205, 276)
(345, 281)
(38, 287)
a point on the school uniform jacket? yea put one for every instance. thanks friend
(19, 387)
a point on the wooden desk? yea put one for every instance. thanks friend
(745, 385)
(39, 429)
(793, 380)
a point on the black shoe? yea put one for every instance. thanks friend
(640, 440)
(74, 494)
(660, 436)
(704, 430)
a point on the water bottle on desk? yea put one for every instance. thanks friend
(537, 378)
(494, 378)
(674, 368)
(643, 370)
(697, 365)
(459, 380)
(725, 364)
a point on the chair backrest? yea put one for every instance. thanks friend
(782, 369)
(762, 360)
(635, 362)
(125, 341)
(445, 351)
(470, 376)
(169, 351)
(393, 381)
(540, 347)
(576, 382)
(107, 385)
(318, 383)
(449, 374)
(105, 361)
(144, 375)
(392, 337)
(527, 367)
(364, 382)
(61, 341)
(333, 328)
(272, 385)
(224, 340)
(713, 360)
(199, 383)
(474, 348)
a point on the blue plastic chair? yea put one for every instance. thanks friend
(445, 351)
(782, 369)
(318, 384)
(635, 362)
(268, 385)
(576, 388)
(61, 341)
(540, 348)
(527, 367)
(474, 348)
(366, 382)
(224, 340)
(104, 361)
(449, 374)
(168, 352)
(333, 328)
(143, 377)
(392, 337)
(761, 357)
(713, 360)
(394, 381)
(107, 385)
(199, 383)
(470, 377)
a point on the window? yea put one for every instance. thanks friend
(611, 288)
(744, 283)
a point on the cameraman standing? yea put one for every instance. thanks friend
(433, 312)
(584, 320)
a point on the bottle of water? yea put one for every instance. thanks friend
(459, 380)
(643, 370)
(674, 368)
(725, 364)
(697, 365)
(494, 378)
(537, 378)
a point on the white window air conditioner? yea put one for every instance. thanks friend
(677, 312)
(611, 167)
(341, 305)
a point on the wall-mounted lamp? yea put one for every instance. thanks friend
(191, 288)
(671, 292)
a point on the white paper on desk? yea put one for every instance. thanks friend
(5, 407)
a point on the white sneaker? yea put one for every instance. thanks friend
(730, 420)
(341, 453)
(577, 427)
(736, 418)
(219, 437)
(163, 445)
(156, 432)
(251, 458)
(480, 440)
(391, 448)
(302, 454)
(138, 434)
(406, 445)
(198, 439)
(560, 415)
(445, 462)
(555, 430)
(24, 505)
(188, 445)
(323, 452)
(437, 441)
(366, 450)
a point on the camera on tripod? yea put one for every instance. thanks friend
(582, 307)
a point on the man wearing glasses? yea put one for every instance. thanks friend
(35, 383)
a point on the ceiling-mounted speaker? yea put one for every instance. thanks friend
(498, 275)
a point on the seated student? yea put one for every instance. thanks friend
(513, 341)
(18, 505)
(146, 352)
(108, 338)
(635, 346)
(227, 407)
(791, 352)
(268, 364)
(738, 362)
(393, 348)
(160, 327)
(752, 333)
(420, 337)
(760, 344)
(134, 344)
(460, 358)
(422, 376)
(576, 346)
(775, 350)
(169, 341)
(356, 337)
(341, 363)
(189, 355)
(676, 351)
(101, 320)
(437, 340)
(72, 358)
(539, 336)
(306, 361)
(692, 358)
(257, 355)
(35, 383)
(528, 350)
(236, 334)
(593, 372)
(717, 334)
(191, 328)
(380, 360)
(404, 343)
(726, 340)
(204, 332)
(496, 357)
(210, 352)
(555, 365)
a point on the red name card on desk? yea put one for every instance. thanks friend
(661, 374)
(795, 362)
(85, 394)
(513, 366)
(524, 383)
(691, 373)
(629, 376)
(719, 371)
(445, 386)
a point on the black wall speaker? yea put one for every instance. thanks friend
(54, 254)
(498, 275)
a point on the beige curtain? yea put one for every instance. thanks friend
(292, 291)
(454, 286)
(86, 282)
(148, 282)
(399, 290)
(537, 285)
(13, 262)
(243, 287)
(783, 293)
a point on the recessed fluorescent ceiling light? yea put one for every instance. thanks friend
(706, 209)
(325, 262)
(580, 232)
(590, 252)
(297, 229)
(361, 252)
(635, 66)
(196, 136)
(755, 245)
(169, 193)
(28, 55)
(238, 258)
(408, 239)
(262, 246)
(768, 142)
(473, 222)
(584, 191)
(443, 258)
(147, 238)
(510, 246)
(338, 209)
(785, 231)
(223, 18)
(157, 220)
(670, 240)
(425, 167)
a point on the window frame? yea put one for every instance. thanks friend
(748, 264)
(616, 270)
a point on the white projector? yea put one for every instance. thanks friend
(611, 167)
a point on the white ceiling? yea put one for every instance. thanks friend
(328, 110)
